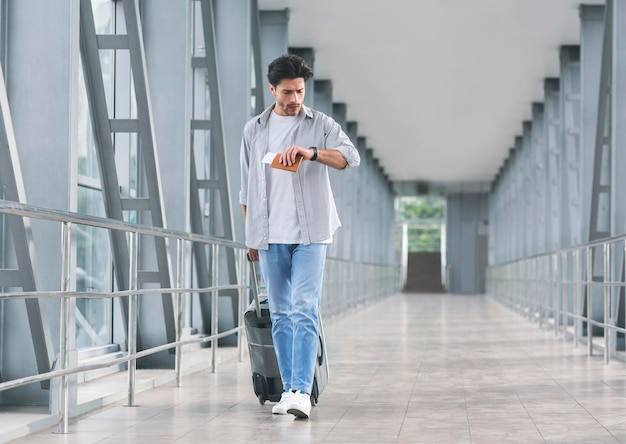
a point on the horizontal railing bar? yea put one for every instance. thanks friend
(592, 244)
(27, 210)
(592, 321)
(115, 294)
(592, 283)
(348, 261)
(85, 368)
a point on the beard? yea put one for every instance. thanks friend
(289, 109)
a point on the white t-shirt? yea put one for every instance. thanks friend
(284, 226)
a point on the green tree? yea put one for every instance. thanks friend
(424, 216)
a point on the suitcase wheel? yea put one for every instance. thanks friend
(261, 389)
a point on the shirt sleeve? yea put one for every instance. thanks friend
(338, 140)
(244, 161)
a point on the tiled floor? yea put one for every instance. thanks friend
(411, 368)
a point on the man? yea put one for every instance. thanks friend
(290, 218)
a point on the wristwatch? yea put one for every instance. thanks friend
(314, 148)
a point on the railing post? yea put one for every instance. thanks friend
(535, 285)
(243, 279)
(547, 285)
(589, 300)
(577, 283)
(542, 289)
(132, 317)
(528, 290)
(521, 279)
(555, 302)
(606, 249)
(564, 298)
(214, 304)
(516, 303)
(179, 312)
(528, 278)
(64, 321)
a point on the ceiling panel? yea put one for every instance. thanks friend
(438, 88)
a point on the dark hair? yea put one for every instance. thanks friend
(289, 66)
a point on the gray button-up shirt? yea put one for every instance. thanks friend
(314, 201)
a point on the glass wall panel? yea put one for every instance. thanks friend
(93, 274)
(94, 319)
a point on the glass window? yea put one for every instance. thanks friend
(93, 274)
(94, 318)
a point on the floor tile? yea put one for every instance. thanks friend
(411, 368)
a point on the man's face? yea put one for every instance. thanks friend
(289, 95)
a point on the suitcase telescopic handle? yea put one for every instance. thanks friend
(255, 287)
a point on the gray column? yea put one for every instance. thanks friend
(170, 85)
(591, 33)
(323, 101)
(541, 179)
(357, 184)
(519, 199)
(591, 36)
(43, 106)
(466, 241)
(618, 119)
(494, 211)
(569, 134)
(553, 150)
(529, 215)
(323, 96)
(273, 42)
(171, 108)
(308, 54)
(499, 246)
(339, 181)
(617, 143)
(366, 203)
(233, 26)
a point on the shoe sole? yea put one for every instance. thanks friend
(298, 413)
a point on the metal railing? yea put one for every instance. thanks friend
(578, 292)
(68, 220)
(350, 283)
(358, 283)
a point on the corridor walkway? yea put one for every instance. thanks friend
(412, 368)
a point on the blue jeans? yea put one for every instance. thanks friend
(293, 275)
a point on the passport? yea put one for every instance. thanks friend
(293, 168)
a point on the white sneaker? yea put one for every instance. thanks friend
(283, 404)
(299, 405)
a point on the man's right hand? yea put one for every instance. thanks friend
(253, 255)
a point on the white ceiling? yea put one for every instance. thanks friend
(438, 87)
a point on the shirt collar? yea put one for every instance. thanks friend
(305, 112)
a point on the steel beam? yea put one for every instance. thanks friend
(552, 124)
(570, 108)
(214, 164)
(540, 178)
(143, 125)
(24, 275)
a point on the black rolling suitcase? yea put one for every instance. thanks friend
(265, 374)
